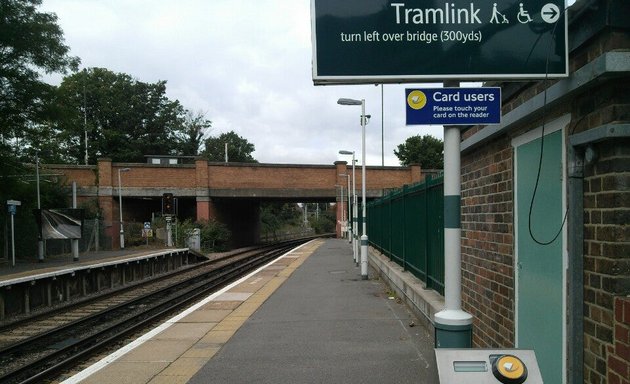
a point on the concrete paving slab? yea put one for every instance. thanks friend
(184, 366)
(126, 372)
(223, 304)
(183, 331)
(233, 296)
(157, 351)
(169, 380)
(203, 349)
(206, 316)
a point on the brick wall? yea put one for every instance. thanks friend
(154, 176)
(487, 244)
(85, 176)
(606, 254)
(271, 176)
(619, 353)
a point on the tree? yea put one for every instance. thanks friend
(30, 42)
(125, 119)
(195, 127)
(427, 151)
(239, 149)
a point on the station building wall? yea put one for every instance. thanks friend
(597, 161)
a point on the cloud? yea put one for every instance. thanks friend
(246, 63)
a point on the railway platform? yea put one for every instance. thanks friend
(307, 317)
(32, 267)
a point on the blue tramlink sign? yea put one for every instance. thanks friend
(380, 41)
(453, 106)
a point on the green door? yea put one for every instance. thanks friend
(540, 306)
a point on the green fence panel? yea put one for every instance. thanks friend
(416, 233)
(435, 236)
(408, 226)
(397, 235)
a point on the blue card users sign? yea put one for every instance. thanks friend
(453, 106)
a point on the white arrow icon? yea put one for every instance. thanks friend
(550, 13)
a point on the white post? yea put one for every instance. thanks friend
(12, 207)
(355, 214)
(169, 234)
(12, 241)
(122, 230)
(349, 212)
(453, 327)
(75, 242)
(343, 216)
(364, 237)
(40, 241)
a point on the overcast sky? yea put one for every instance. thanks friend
(246, 64)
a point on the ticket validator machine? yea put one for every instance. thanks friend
(487, 366)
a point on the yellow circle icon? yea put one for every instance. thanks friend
(417, 99)
(510, 370)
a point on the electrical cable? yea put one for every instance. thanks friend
(542, 144)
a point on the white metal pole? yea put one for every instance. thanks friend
(343, 216)
(349, 212)
(12, 241)
(40, 241)
(382, 127)
(122, 231)
(355, 214)
(75, 242)
(364, 237)
(453, 327)
(85, 124)
(452, 233)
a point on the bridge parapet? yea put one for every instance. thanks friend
(204, 181)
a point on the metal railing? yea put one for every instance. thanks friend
(407, 225)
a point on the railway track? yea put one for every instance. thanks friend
(38, 349)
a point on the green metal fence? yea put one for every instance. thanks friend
(408, 226)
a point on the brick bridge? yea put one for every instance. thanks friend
(228, 192)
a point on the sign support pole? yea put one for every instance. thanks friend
(12, 241)
(12, 207)
(74, 242)
(453, 327)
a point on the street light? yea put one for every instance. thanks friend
(354, 230)
(364, 238)
(122, 231)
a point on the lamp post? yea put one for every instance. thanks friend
(122, 231)
(355, 228)
(364, 237)
(40, 240)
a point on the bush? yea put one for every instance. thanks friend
(214, 235)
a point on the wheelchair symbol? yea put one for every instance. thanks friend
(523, 16)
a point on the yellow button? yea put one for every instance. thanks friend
(510, 370)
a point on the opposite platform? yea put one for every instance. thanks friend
(307, 318)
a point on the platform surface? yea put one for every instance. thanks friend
(306, 318)
(32, 267)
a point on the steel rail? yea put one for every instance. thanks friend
(76, 350)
